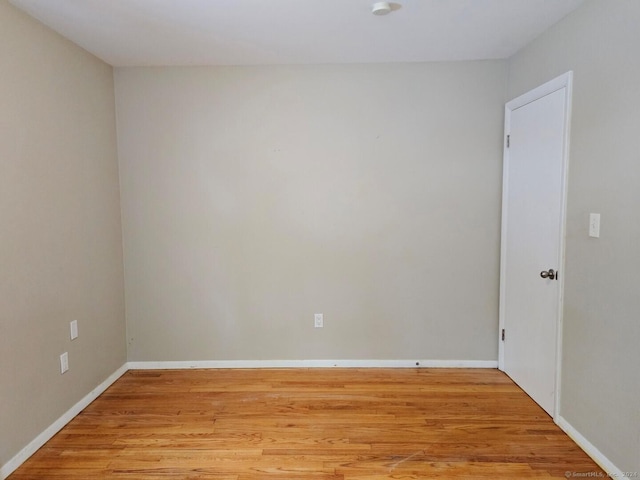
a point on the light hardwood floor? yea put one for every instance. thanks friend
(314, 424)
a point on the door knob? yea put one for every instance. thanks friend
(550, 274)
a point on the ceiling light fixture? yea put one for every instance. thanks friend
(381, 8)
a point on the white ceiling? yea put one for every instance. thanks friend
(258, 32)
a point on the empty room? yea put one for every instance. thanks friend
(324, 240)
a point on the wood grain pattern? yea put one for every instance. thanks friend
(313, 424)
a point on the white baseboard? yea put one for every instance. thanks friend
(314, 364)
(11, 466)
(590, 449)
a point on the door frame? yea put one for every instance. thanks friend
(558, 83)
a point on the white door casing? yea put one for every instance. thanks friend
(533, 231)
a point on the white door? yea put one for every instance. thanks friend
(534, 192)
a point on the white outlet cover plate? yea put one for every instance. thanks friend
(318, 320)
(74, 329)
(64, 362)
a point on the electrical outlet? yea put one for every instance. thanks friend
(318, 320)
(64, 362)
(74, 329)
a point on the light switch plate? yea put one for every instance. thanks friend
(594, 225)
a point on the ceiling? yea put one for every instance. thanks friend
(259, 32)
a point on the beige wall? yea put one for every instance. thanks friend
(255, 197)
(60, 247)
(601, 349)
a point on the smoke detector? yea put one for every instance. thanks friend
(381, 8)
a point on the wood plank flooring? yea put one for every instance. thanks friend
(310, 424)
